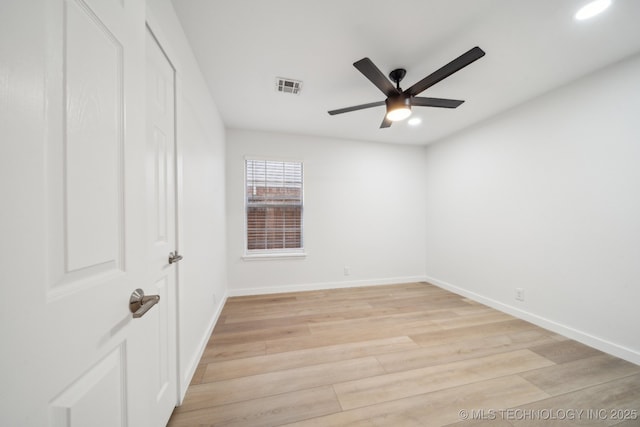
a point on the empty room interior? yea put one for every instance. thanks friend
(320, 213)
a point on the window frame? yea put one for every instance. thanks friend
(267, 254)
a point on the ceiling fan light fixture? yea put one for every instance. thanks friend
(398, 108)
(399, 114)
(592, 9)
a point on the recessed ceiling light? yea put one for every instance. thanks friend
(592, 9)
(415, 121)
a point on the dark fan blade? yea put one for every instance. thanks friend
(356, 107)
(373, 73)
(385, 123)
(435, 102)
(444, 72)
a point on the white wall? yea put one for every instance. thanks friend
(546, 197)
(364, 209)
(202, 228)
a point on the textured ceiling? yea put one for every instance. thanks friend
(531, 47)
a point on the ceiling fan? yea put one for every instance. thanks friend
(399, 102)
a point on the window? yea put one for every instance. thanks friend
(274, 206)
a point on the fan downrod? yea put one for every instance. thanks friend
(397, 75)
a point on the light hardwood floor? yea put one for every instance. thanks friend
(401, 355)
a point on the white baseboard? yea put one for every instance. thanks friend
(193, 363)
(567, 331)
(322, 286)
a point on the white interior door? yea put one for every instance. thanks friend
(161, 206)
(87, 231)
(84, 223)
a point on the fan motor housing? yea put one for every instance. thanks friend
(400, 101)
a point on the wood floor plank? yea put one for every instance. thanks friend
(460, 350)
(434, 409)
(261, 385)
(409, 321)
(581, 373)
(472, 320)
(343, 309)
(324, 321)
(565, 351)
(294, 359)
(262, 335)
(473, 309)
(383, 388)
(217, 352)
(342, 336)
(198, 374)
(260, 324)
(425, 302)
(441, 336)
(266, 412)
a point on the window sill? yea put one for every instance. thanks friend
(274, 256)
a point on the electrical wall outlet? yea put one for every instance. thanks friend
(347, 270)
(520, 294)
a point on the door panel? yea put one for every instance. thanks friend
(99, 394)
(86, 181)
(161, 205)
(93, 181)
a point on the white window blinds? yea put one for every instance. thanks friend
(274, 205)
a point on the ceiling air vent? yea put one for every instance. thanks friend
(288, 85)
